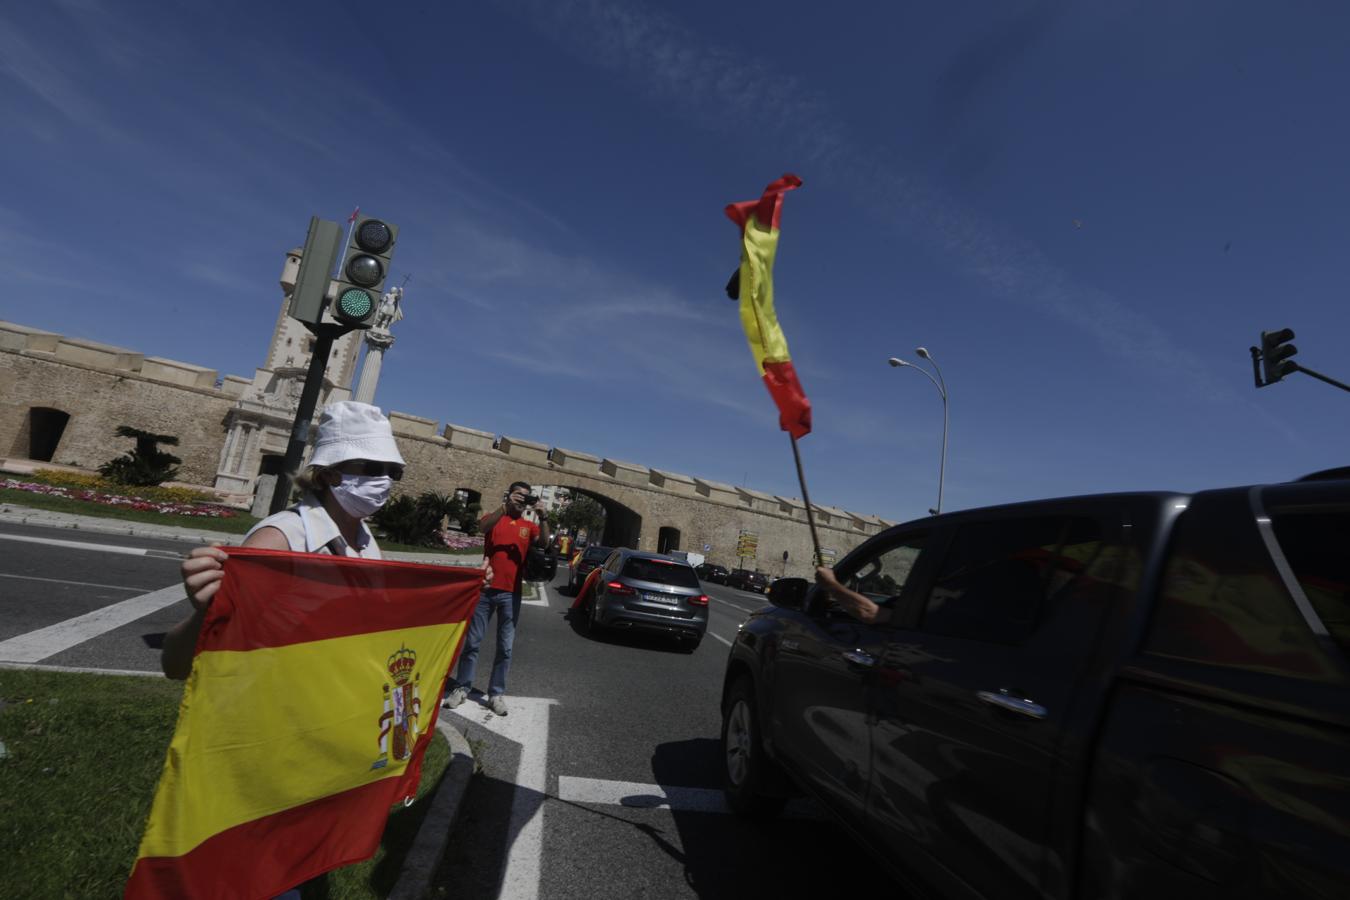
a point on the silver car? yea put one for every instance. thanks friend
(647, 591)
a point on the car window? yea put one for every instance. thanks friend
(1317, 546)
(996, 575)
(660, 571)
(1222, 602)
(880, 576)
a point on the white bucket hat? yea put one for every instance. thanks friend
(352, 430)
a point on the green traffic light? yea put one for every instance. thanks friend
(355, 305)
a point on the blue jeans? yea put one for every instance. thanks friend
(507, 606)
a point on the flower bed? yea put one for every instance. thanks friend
(458, 540)
(203, 510)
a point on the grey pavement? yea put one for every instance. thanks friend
(429, 844)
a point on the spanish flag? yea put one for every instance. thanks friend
(312, 698)
(753, 283)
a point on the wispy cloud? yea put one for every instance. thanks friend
(717, 85)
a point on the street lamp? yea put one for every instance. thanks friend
(941, 385)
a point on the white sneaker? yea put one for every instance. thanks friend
(455, 698)
(498, 705)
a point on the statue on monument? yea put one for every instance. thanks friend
(391, 308)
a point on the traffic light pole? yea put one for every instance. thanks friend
(309, 398)
(1291, 368)
(1320, 377)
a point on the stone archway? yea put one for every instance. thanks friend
(667, 539)
(41, 433)
(623, 525)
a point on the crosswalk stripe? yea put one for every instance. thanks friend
(38, 645)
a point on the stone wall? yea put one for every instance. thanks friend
(100, 388)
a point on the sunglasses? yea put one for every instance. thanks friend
(371, 469)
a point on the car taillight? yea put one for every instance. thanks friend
(616, 587)
(700, 600)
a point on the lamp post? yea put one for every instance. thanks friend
(941, 385)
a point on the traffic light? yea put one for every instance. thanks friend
(1275, 353)
(322, 245)
(365, 265)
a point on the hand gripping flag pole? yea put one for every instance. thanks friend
(752, 285)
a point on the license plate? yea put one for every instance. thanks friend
(661, 598)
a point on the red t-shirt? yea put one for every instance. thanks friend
(505, 547)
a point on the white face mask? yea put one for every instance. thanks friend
(361, 495)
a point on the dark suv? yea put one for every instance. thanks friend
(711, 572)
(583, 562)
(746, 580)
(1119, 695)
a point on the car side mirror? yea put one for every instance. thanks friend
(789, 593)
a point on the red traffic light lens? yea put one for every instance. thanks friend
(374, 236)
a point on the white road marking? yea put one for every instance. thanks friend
(45, 642)
(641, 796)
(525, 725)
(115, 587)
(541, 600)
(76, 545)
(720, 638)
(735, 605)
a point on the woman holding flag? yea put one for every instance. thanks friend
(348, 479)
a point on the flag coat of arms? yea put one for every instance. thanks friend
(753, 284)
(312, 698)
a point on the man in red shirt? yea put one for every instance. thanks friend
(508, 531)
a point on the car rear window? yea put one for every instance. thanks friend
(1221, 601)
(661, 572)
(595, 554)
(1317, 546)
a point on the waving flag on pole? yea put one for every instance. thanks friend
(753, 283)
(312, 698)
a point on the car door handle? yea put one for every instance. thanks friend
(859, 658)
(1020, 705)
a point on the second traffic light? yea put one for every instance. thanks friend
(365, 266)
(1275, 353)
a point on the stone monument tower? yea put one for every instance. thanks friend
(258, 427)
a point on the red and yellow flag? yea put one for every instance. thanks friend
(312, 698)
(759, 220)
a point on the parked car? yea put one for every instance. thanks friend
(1123, 695)
(583, 562)
(647, 591)
(711, 572)
(745, 580)
(540, 565)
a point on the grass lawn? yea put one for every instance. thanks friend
(82, 755)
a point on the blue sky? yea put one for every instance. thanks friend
(1086, 212)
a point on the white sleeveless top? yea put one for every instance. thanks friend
(310, 529)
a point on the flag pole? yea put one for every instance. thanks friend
(806, 498)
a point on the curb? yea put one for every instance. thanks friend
(428, 847)
(19, 515)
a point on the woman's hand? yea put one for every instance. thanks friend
(202, 573)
